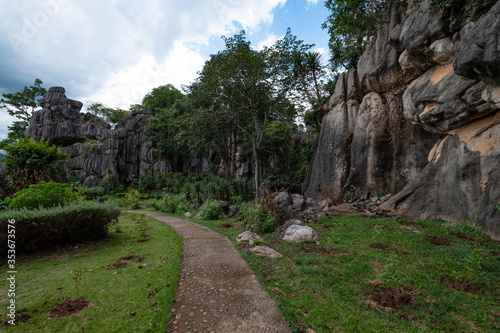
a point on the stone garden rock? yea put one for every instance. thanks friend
(293, 222)
(248, 237)
(299, 233)
(266, 251)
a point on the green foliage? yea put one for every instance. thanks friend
(29, 162)
(390, 276)
(172, 203)
(43, 195)
(211, 210)
(161, 98)
(456, 12)
(21, 105)
(254, 216)
(77, 277)
(4, 204)
(146, 181)
(470, 267)
(37, 229)
(94, 192)
(109, 115)
(352, 25)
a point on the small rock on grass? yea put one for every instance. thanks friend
(248, 237)
(265, 251)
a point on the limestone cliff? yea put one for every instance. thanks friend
(420, 119)
(91, 143)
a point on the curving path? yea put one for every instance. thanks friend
(217, 290)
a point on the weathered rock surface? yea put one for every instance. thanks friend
(418, 119)
(248, 237)
(93, 145)
(296, 206)
(266, 251)
(300, 233)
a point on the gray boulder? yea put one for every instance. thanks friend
(299, 233)
(296, 206)
(248, 237)
(266, 251)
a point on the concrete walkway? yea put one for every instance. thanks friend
(217, 290)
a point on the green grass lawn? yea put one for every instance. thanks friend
(135, 298)
(381, 275)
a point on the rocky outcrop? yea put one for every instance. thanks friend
(419, 119)
(296, 206)
(92, 144)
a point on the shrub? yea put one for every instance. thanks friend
(43, 194)
(210, 210)
(94, 192)
(172, 203)
(254, 216)
(29, 162)
(37, 229)
(146, 181)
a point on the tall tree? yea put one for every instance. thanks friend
(21, 105)
(248, 86)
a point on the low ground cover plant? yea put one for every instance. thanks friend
(119, 284)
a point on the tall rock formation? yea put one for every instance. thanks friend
(420, 119)
(92, 144)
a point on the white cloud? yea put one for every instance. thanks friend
(269, 41)
(113, 51)
(129, 85)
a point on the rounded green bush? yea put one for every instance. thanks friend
(43, 195)
(211, 210)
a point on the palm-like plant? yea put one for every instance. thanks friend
(300, 71)
(313, 63)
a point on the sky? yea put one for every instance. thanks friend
(116, 51)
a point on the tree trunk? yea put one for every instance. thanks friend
(256, 158)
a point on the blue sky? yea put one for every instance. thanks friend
(116, 51)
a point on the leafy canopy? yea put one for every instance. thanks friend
(21, 105)
(352, 25)
(29, 162)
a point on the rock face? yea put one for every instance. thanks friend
(92, 144)
(419, 119)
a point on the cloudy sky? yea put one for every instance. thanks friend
(116, 51)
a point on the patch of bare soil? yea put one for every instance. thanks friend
(496, 253)
(386, 299)
(226, 225)
(387, 248)
(144, 235)
(117, 264)
(143, 240)
(437, 240)
(69, 308)
(461, 285)
(138, 258)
